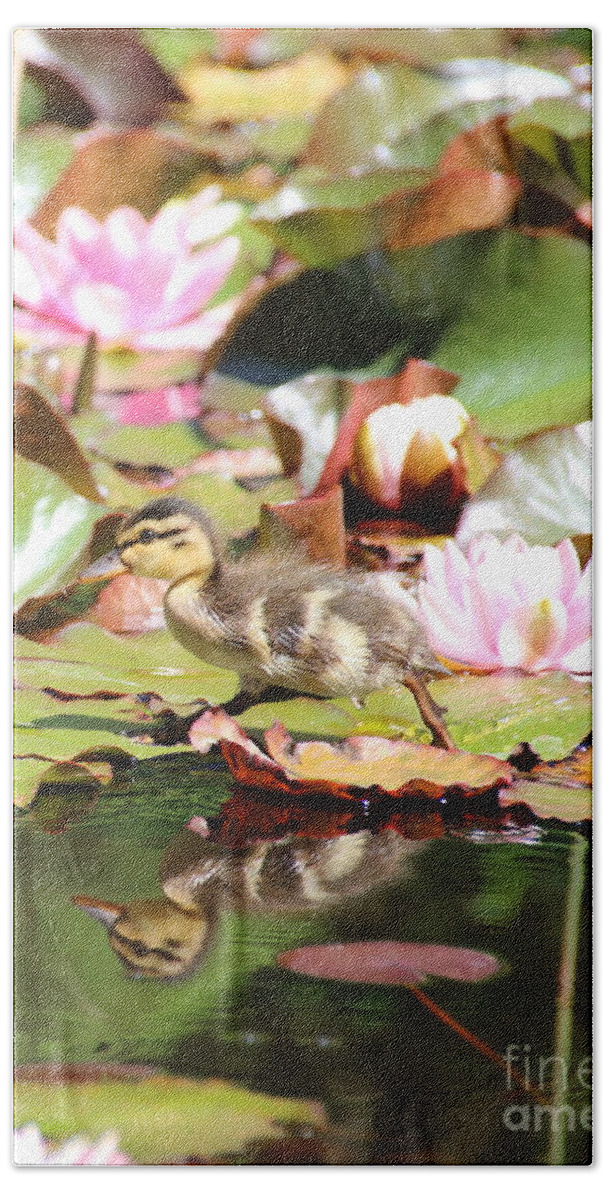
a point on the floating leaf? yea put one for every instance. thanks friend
(110, 68)
(40, 156)
(174, 48)
(315, 523)
(475, 80)
(344, 319)
(52, 728)
(558, 789)
(361, 126)
(64, 793)
(384, 767)
(549, 801)
(42, 436)
(257, 462)
(220, 93)
(522, 348)
(41, 616)
(550, 192)
(392, 963)
(52, 527)
(138, 167)
(158, 1118)
(559, 131)
(414, 46)
(325, 222)
(487, 714)
(542, 490)
(492, 713)
(85, 658)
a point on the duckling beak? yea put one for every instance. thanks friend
(105, 567)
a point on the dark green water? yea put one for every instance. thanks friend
(398, 1086)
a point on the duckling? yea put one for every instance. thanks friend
(167, 938)
(277, 619)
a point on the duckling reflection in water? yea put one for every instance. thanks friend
(283, 623)
(167, 937)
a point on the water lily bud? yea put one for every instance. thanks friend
(401, 449)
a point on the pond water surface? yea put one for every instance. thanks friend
(397, 1084)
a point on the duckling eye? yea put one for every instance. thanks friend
(146, 535)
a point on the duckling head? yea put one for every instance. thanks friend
(154, 939)
(168, 539)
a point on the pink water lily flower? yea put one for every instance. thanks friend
(508, 605)
(30, 1150)
(137, 284)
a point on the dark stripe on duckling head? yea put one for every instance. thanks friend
(150, 535)
(141, 950)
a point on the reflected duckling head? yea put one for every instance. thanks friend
(154, 939)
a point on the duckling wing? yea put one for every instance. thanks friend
(287, 622)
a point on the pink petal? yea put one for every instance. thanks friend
(195, 279)
(192, 335)
(157, 407)
(104, 309)
(579, 660)
(79, 234)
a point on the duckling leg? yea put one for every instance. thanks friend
(431, 713)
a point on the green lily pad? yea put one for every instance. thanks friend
(509, 313)
(52, 527)
(174, 48)
(83, 659)
(40, 156)
(360, 126)
(559, 131)
(417, 45)
(158, 1118)
(550, 802)
(493, 713)
(53, 732)
(486, 714)
(523, 345)
(323, 220)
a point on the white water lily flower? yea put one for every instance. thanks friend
(542, 491)
(32, 1150)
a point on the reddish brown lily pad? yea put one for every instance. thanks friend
(137, 167)
(314, 523)
(42, 436)
(393, 963)
(379, 766)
